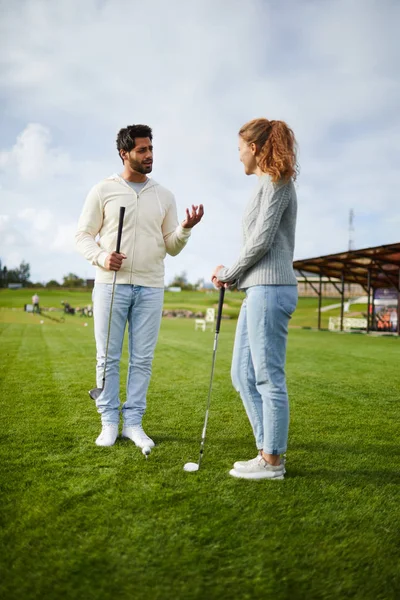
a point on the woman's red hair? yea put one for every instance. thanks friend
(276, 147)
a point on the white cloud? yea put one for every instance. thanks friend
(63, 240)
(32, 157)
(73, 73)
(40, 220)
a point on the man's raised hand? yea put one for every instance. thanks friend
(193, 217)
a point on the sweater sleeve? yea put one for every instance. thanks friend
(175, 236)
(89, 224)
(273, 203)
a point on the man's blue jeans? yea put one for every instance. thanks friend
(258, 363)
(141, 308)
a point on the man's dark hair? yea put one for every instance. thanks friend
(126, 138)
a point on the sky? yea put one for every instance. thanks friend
(73, 72)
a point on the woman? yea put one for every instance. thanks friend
(264, 270)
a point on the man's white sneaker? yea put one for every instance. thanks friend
(244, 465)
(108, 435)
(138, 436)
(259, 469)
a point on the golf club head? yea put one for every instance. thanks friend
(95, 393)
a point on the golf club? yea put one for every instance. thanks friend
(95, 392)
(190, 466)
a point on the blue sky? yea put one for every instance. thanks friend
(72, 73)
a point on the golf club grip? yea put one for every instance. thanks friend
(120, 224)
(220, 305)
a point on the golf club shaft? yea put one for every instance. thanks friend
(109, 329)
(217, 328)
(118, 247)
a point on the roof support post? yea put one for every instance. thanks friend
(342, 303)
(319, 301)
(369, 302)
(398, 306)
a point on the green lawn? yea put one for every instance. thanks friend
(81, 522)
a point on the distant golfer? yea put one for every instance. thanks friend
(150, 230)
(35, 302)
(264, 270)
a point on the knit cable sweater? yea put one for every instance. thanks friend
(269, 224)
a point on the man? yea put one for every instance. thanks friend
(150, 231)
(35, 302)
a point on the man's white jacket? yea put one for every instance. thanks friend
(150, 230)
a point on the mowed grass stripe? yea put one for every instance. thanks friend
(10, 341)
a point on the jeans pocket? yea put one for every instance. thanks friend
(287, 296)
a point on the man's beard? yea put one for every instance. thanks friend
(140, 167)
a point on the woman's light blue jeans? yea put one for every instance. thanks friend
(258, 363)
(141, 308)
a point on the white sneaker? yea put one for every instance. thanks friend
(259, 469)
(138, 436)
(244, 465)
(108, 435)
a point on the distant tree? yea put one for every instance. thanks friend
(181, 281)
(24, 272)
(52, 283)
(19, 275)
(72, 280)
(2, 283)
(12, 276)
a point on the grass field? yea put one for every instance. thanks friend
(82, 522)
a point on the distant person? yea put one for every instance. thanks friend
(150, 230)
(264, 270)
(35, 302)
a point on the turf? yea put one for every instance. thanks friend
(79, 521)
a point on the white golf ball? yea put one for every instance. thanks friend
(191, 467)
(146, 450)
(85, 324)
(41, 322)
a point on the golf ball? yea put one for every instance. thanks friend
(191, 467)
(41, 322)
(85, 324)
(146, 450)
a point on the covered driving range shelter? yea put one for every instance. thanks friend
(376, 268)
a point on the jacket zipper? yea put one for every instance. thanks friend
(134, 237)
(136, 212)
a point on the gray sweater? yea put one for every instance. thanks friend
(269, 225)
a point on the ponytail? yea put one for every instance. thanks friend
(276, 147)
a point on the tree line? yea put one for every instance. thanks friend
(21, 275)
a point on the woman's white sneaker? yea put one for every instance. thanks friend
(138, 436)
(108, 435)
(259, 469)
(244, 465)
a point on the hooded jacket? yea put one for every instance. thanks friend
(150, 230)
